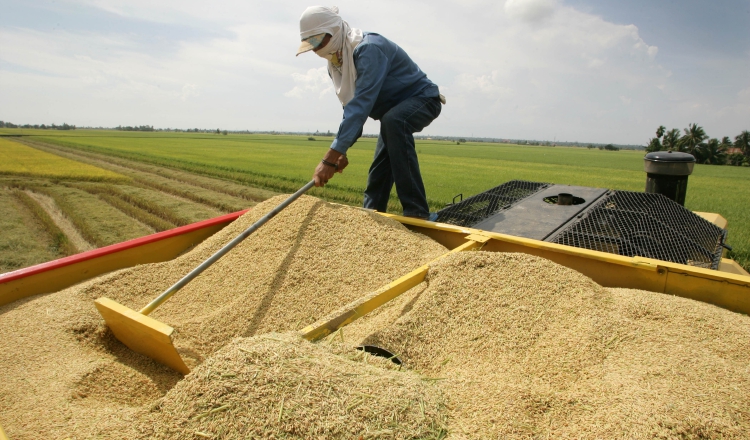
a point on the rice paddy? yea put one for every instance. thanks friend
(233, 172)
(19, 160)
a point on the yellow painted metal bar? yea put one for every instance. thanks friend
(361, 307)
(3, 436)
(731, 266)
(714, 218)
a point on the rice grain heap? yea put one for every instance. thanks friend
(81, 382)
(281, 386)
(307, 261)
(526, 348)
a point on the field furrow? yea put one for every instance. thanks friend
(98, 222)
(75, 238)
(221, 194)
(23, 241)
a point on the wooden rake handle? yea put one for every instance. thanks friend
(220, 253)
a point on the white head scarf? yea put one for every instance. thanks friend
(322, 19)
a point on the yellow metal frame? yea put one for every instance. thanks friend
(724, 289)
(3, 436)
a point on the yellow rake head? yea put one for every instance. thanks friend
(142, 334)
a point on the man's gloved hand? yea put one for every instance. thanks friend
(332, 162)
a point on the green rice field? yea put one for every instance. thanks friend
(284, 163)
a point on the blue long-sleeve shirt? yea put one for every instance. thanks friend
(386, 76)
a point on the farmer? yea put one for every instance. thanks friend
(374, 77)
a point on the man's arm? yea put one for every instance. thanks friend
(372, 67)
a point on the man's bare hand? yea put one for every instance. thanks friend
(323, 173)
(342, 163)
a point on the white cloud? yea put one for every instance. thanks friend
(314, 82)
(530, 10)
(519, 69)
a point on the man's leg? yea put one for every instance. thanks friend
(396, 131)
(379, 179)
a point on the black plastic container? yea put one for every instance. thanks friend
(667, 173)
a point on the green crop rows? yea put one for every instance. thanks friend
(284, 163)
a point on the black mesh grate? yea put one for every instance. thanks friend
(478, 207)
(647, 225)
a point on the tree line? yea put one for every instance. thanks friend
(695, 141)
(65, 126)
(135, 128)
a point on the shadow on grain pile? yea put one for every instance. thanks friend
(80, 382)
(525, 348)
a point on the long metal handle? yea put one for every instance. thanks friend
(220, 253)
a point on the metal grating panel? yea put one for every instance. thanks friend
(647, 225)
(478, 207)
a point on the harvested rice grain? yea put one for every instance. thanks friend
(526, 348)
(281, 386)
(80, 382)
(307, 261)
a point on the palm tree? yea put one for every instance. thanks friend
(712, 153)
(654, 144)
(726, 143)
(672, 139)
(693, 139)
(742, 141)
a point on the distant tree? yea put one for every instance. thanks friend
(660, 131)
(726, 143)
(224, 132)
(711, 153)
(463, 141)
(738, 160)
(311, 138)
(654, 144)
(671, 139)
(742, 141)
(692, 139)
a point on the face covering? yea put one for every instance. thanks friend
(333, 57)
(332, 50)
(339, 50)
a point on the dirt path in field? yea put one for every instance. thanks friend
(61, 221)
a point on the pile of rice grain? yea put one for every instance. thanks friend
(281, 386)
(78, 381)
(525, 348)
(310, 259)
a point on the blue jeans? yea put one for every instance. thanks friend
(396, 157)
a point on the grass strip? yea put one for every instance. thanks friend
(60, 243)
(147, 182)
(152, 214)
(144, 182)
(331, 192)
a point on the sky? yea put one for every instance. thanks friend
(602, 71)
